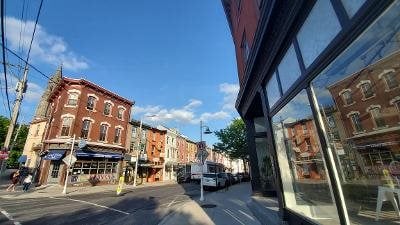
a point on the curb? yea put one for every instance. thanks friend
(265, 214)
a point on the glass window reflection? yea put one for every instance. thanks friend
(305, 181)
(366, 137)
(352, 6)
(273, 92)
(318, 30)
(289, 69)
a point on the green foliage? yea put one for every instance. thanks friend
(233, 140)
(16, 147)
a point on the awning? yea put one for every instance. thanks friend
(22, 159)
(90, 153)
(54, 155)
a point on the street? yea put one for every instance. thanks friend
(140, 206)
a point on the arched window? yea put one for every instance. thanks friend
(85, 129)
(103, 132)
(66, 126)
(72, 99)
(107, 108)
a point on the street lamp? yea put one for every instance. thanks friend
(137, 151)
(207, 131)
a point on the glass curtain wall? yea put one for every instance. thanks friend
(304, 175)
(364, 136)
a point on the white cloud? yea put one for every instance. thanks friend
(193, 103)
(230, 92)
(33, 92)
(47, 48)
(185, 114)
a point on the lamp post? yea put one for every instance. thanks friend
(207, 131)
(69, 165)
(137, 151)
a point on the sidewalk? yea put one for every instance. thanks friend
(219, 208)
(56, 190)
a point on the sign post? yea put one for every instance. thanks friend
(120, 185)
(69, 165)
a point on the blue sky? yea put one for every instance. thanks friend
(174, 58)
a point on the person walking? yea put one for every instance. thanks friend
(14, 181)
(27, 182)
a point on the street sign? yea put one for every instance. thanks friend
(202, 156)
(201, 145)
(66, 160)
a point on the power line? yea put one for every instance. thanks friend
(4, 55)
(33, 34)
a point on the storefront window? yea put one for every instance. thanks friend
(260, 124)
(352, 6)
(289, 69)
(273, 92)
(264, 163)
(368, 147)
(103, 169)
(304, 178)
(322, 21)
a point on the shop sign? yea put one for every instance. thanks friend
(66, 160)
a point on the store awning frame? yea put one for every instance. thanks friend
(96, 154)
(54, 154)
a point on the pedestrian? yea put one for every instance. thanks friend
(14, 177)
(27, 182)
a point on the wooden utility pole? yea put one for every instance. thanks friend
(21, 88)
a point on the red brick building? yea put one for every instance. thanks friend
(242, 16)
(368, 103)
(155, 149)
(89, 112)
(302, 137)
(182, 149)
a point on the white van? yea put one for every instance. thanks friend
(214, 180)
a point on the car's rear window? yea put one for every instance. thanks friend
(209, 175)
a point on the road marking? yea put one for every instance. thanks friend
(9, 217)
(250, 217)
(172, 202)
(91, 203)
(233, 216)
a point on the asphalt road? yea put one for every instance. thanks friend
(140, 206)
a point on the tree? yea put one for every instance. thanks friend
(16, 147)
(233, 141)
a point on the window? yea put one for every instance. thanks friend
(273, 92)
(352, 6)
(85, 129)
(377, 117)
(397, 105)
(117, 137)
(367, 90)
(297, 169)
(37, 130)
(363, 159)
(66, 126)
(72, 99)
(347, 98)
(323, 21)
(390, 80)
(355, 119)
(289, 69)
(245, 48)
(305, 131)
(308, 144)
(107, 108)
(120, 113)
(90, 102)
(103, 132)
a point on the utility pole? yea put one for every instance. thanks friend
(14, 116)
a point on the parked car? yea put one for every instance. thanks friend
(236, 177)
(214, 180)
(231, 179)
(243, 177)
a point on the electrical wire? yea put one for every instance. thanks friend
(33, 34)
(4, 55)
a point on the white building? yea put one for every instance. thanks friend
(171, 153)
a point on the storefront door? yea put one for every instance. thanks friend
(54, 172)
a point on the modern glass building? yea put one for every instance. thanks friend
(320, 95)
